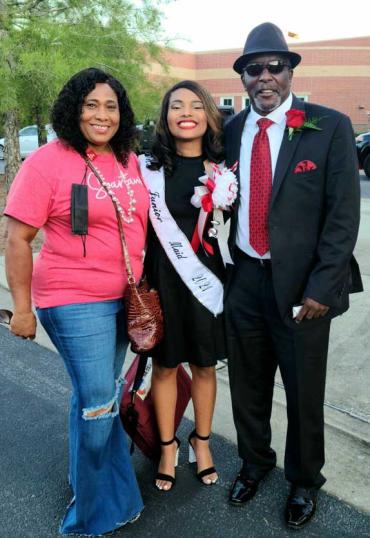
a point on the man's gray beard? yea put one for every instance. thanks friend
(271, 109)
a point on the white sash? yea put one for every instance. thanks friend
(202, 283)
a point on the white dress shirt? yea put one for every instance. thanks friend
(275, 135)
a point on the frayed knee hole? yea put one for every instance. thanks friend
(98, 412)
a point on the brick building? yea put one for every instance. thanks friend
(334, 73)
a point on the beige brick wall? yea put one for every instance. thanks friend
(334, 73)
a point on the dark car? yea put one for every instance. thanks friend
(363, 152)
(145, 137)
(227, 112)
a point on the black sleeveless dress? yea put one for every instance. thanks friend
(192, 333)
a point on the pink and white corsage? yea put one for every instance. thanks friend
(217, 194)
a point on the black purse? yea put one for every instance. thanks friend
(79, 209)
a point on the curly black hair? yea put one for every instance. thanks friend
(164, 145)
(67, 111)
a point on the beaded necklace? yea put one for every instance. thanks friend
(127, 217)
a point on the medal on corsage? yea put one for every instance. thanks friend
(217, 194)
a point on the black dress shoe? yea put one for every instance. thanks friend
(300, 507)
(244, 488)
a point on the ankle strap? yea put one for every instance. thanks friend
(200, 437)
(166, 443)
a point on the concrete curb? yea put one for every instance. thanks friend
(3, 281)
(352, 427)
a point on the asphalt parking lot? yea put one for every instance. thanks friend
(34, 490)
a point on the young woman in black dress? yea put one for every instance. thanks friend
(188, 136)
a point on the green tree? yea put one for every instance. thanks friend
(44, 42)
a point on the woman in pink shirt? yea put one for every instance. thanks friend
(78, 281)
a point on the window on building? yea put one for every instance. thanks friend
(302, 97)
(227, 101)
(245, 102)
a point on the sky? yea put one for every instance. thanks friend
(197, 25)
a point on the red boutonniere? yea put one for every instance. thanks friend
(296, 121)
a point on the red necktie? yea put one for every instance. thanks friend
(260, 189)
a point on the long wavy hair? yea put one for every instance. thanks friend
(67, 109)
(164, 145)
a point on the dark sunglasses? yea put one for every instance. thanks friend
(5, 316)
(274, 67)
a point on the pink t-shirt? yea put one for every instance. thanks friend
(41, 197)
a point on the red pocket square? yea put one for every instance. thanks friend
(304, 166)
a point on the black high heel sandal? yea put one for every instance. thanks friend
(168, 477)
(193, 459)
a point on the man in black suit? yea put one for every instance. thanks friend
(293, 232)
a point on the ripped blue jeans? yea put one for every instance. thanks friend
(92, 341)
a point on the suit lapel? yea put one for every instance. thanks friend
(235, 150)
(233, 143)
(286, 153)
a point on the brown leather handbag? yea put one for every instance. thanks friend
(142, 305)
(144, 317)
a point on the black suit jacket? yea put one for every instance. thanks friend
(313, 216)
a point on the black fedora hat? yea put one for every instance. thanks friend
(265, 39)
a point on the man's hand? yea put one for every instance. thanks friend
(23, 325)
(311, 309)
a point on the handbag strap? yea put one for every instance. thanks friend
(143, 359)
(130, 275)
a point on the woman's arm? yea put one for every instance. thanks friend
(18, 263)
